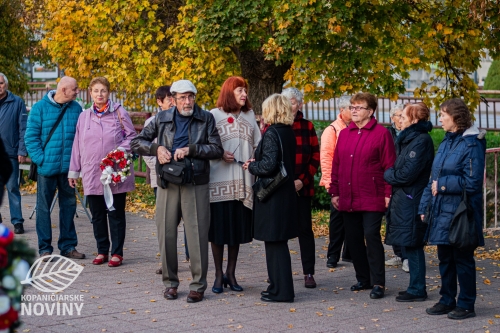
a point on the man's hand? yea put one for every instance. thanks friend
(335, 202)
(21, 159)
(228, 157)
(298, 184)
(387, 200)
(180, 153)
(72, 182)
(434, 187)
(422, 217)
(164, 155)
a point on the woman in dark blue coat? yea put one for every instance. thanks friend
(409, 177)
(459, 165)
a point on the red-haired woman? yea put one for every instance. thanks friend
(231, 196)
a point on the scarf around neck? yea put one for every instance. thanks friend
(100, 111)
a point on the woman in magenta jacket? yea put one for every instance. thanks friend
(364, 151)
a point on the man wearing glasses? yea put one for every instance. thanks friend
(186, 133)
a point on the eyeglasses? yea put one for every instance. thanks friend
(358, 108)
(184, 98)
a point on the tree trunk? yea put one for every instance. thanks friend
(264, 76)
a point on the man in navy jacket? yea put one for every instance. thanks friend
(12, 126)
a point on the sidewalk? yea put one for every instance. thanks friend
(130, 299)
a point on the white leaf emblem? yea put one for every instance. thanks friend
(53, 276)
(412, 154)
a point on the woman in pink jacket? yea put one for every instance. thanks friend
(102, 128)
(364, 151)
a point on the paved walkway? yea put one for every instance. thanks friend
(130, 299)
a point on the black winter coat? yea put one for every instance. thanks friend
(204, 141)
(276, 218)
(409, 177)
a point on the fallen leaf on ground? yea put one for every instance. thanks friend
(292, 309)
(487, 282)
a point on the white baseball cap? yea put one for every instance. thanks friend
(183, 86)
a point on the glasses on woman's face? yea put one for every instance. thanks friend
(185, 98)
(358, 108)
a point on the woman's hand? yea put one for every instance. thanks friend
(247, 163)
(387, 200)
(434, 187)
(164, 155)
(335, 202)
(72, 182)
(298, 185)
(228, 157)
(422, 217)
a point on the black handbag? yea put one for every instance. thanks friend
(265, 186)
(33, 173)
(463, 233)
(177, 172)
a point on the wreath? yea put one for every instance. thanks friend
(115, 166)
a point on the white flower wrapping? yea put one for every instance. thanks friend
(110, 175)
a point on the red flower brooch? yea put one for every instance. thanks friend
(230, 120)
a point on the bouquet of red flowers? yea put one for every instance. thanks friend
(116, 166)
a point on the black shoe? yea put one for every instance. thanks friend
(269, 300)
(359, 286)
(439, 309)
(233, 287)
(406, 297)
(264, 293)
(460, 313)
(402, 292)
(216, 290)
(377, 292)
(18, 228)
(331, 262)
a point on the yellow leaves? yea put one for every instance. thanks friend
(308, 88)
(439, 27)
(292, 310)
(487, 282)
(448, 31)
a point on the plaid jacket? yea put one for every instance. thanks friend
(307, 154)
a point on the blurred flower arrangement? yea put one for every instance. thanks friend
(116, 166)
(15, 260)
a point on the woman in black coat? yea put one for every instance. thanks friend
(275, 220)
(408, 177)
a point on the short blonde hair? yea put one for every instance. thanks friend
(277, 109)
(102, 80)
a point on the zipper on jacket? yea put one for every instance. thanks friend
(470, 161)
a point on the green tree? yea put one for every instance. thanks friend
(325, 47)
(492, 81)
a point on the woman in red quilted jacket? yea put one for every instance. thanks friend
(364, 151)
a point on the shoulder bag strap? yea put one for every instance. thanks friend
(61, 115)
(281, 146)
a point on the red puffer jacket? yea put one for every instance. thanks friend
(360, 159)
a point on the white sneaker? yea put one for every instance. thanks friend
(395, 261)
(406, 266)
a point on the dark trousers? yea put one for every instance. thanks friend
(400, 251)
(368, 260)
(337, 236)
(45, 191)
(117, 223)
(416, 263)
(454, 264)
(279, 269)
(306, 235)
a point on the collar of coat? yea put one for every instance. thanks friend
(414, 130)
(168, 115)
(371, 124)
(299, 115)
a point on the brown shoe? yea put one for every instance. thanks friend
(170, 293)
(309, 281)
(74, 254)
(159, 271)
(195, 297)
(45, 254)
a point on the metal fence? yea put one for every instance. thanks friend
(487, 113)
(490, 190)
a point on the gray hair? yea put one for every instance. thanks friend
(344, 102)
(396, 108)
(293, 93)
(5, 78)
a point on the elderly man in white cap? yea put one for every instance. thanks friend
(187, 140)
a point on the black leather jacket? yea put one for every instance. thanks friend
(204, 141)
